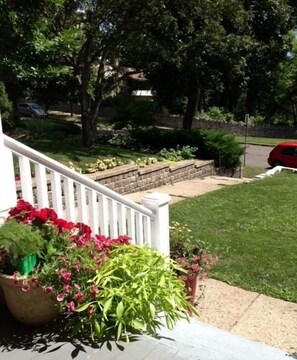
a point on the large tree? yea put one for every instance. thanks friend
(55, 44)
(229, 48)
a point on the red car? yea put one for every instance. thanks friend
(284, 154)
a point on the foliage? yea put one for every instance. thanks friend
(256, 119)
(5, 107)
(103, 285)
(222, 148)
(104, 164)
(189, 253)
(66, 50)
(178, 154)
(215, 113)
(248, 226)
(138, 287)
(16, 241)
(133, 115)
(211, 144)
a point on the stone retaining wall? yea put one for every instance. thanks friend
(131, 178)
(235, 128)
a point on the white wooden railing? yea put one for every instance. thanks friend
(75, 197)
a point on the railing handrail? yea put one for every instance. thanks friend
(63, 170)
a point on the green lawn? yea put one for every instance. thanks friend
(252, 229)
(261, 141)
(60, 138)
(71, 150)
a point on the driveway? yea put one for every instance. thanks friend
(256, 156)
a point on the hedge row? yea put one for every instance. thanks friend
(211, 144)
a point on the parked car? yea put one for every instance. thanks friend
(284, 154)
(31, 110)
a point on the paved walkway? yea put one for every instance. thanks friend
(249, 314)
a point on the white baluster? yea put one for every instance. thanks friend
(122, 219)
(113, 219)
(93, 211)
(26, 179)
(139, 228)
(57, 193)
(69, 199)
(81, 203)
(41, 183)
(103, 214)
(131, 225)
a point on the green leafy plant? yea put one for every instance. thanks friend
(110, 163)
(178, 154)
(18, 240)
(137, 287)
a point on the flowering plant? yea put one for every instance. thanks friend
(68, 255)
(190, 254)
(101, 283)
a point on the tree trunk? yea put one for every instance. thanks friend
(192, 106)
(87, 127)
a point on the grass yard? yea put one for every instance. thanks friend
(72, 150)
(252, 229)
(61, 139)
(261, 141)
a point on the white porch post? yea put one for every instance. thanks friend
(8, 196)
(158, 203)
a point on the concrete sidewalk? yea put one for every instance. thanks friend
(249, 314)
(190, 188)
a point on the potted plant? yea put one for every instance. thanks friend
(192, 257)
(101, 285)
(20, 246)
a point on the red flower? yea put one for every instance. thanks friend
(65, 274)
(70, 306)
(94, 291)
(90, 310)
(25, 286)
(79, 297)
(60, 297)
(49, 289)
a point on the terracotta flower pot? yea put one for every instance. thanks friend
(33, 307)
(191, 287)
(2, 299)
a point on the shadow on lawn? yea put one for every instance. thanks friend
(47, 338)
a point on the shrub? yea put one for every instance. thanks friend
(215, 113)
(6, 108)
(133, 114)
(178, 154)
(211, 144)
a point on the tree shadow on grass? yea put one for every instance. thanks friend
(49, 338)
